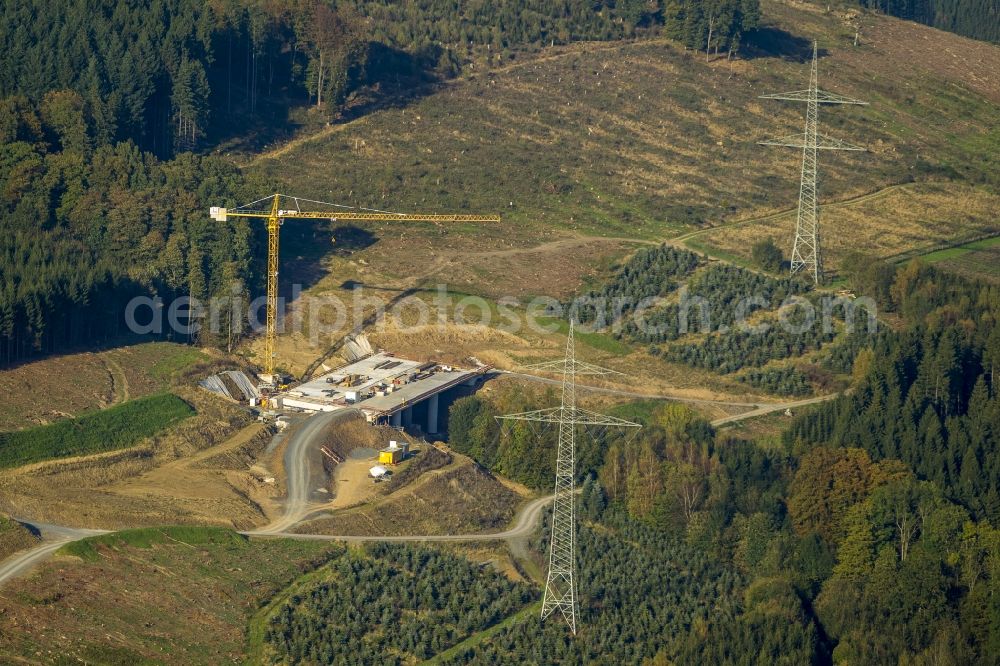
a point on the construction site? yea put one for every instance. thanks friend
(354, 447)
(388, 389)
(406, 394)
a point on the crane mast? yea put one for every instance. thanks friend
(275, 216)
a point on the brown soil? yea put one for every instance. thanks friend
(187, 475)
(213, 490)
(503, 267)
(458, 498)
(353, 484)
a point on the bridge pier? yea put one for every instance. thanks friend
(432, 414)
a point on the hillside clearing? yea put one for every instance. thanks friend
(644, 139)
(85, 381)
(84, 491)
(174, 595)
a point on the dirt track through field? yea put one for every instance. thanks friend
(560, 244)
(163, 479)
(119, 382)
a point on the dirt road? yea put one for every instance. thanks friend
(297, 469)
(761, 410)
(524, 524)
(54, 537)
(630, 394)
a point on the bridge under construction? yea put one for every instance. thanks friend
(386, 388)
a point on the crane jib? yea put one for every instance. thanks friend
(222, 214)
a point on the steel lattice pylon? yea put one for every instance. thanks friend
(560, 589)
(806, 248)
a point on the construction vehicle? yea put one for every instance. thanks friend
(275, 216)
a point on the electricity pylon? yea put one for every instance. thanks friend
(806, 249)
(560, 589)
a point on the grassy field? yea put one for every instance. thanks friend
(90, 550)
(163, 595)
(107, 430)
(977, 264)
(978, 259)
(900, 220)
(640, 411)
(952, 253)
(602, 342)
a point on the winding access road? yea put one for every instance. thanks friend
(629, 394)
(754, 410)
(297, 507)
(770, 408)
(297, 470)
(524, 524)
(54, 537)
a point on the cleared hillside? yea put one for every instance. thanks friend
(76, 383)
(171, 595)
(645, 139)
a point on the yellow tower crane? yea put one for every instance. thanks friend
(276, 216)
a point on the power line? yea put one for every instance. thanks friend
(560, 588)
(806, 248)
